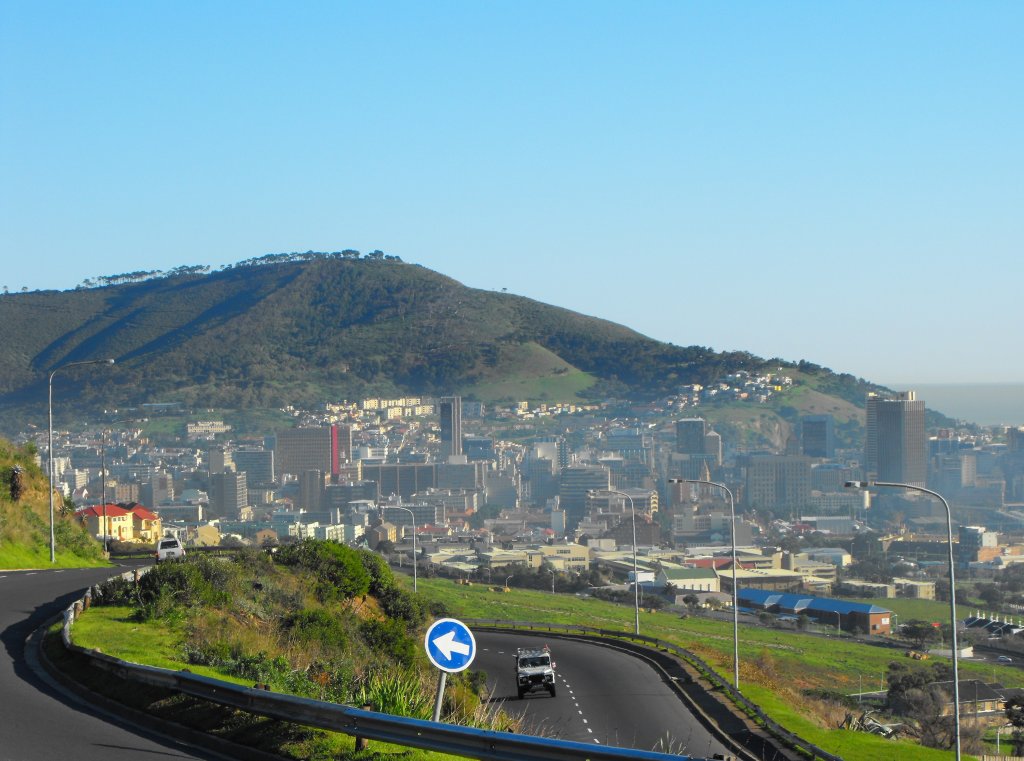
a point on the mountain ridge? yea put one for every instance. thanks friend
(276, 331)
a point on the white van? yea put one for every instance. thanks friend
(169, 548)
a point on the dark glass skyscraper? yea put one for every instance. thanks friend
(450, 409)
(895, 446)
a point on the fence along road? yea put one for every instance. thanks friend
(33, 708)
(444, 738)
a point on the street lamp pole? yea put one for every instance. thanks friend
(636, 577)
(415, 556)
(507, 580)
(735, 590)
(103, 481)
(49, 444)
(952, 588)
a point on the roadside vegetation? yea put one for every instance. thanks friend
(809, 684)
(24, 518)
(324, 621)
(315, 619)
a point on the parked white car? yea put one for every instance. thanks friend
(169, 548)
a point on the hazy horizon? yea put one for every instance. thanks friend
(981, 403)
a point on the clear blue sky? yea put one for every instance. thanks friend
(834, 181)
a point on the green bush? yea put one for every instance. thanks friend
(382, 577)
(399, 604)
(116, 591)
(316, 625)
(388, 637)
(339, 570)
(195, 581)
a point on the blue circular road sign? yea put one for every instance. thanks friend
(450, 645)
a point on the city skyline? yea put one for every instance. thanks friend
(831, 183)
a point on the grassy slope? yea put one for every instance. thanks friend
(530, 371)
(24, 525)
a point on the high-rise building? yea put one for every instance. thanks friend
(218, 460)
(450, 409)
(403, 479)
(158, 490)
(326, 449)
(780, 483)
(258, 464)
(895, 447)
(229, 494)
(311, 489)
(576, 481)
(817, 436)
(690, 433)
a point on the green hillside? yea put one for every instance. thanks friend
(301, 329)
(25, 522)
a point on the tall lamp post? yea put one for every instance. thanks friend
(735, 591)
(952, 587)
(49, 453)
(636, 576)
(415, 556)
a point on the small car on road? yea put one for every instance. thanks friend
(169, 548)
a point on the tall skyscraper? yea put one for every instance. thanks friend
(326, 449)
(450, 409)
(311, 489)
(230, 493)
(817, 436)
(690, 434)
(575, 482)
(257, 463)
(895, 446)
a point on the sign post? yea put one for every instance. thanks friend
(451, 647)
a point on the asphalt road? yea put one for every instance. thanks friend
(604, 696)
(39, 722)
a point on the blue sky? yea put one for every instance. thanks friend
(838, 182)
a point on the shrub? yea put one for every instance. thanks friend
(389, 638)
(195, 581)
(339, 570)
(316, 625)
(382, 577)
(399, 604)
(116, 591)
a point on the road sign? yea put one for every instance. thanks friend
(450, 645)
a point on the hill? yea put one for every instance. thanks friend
(301, 329)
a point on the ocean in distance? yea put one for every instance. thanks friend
(981, 403)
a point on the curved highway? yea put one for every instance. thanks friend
(41, 722)
(604, 696)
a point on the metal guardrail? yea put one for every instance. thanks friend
(469, 742)
(797, 743)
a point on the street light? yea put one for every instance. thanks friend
(507, 580)
(735, 591)
(415, 558)
(49, 453)
(952, 587)
(552, 580)
(636, 576)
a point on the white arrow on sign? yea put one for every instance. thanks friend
(447, 645)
